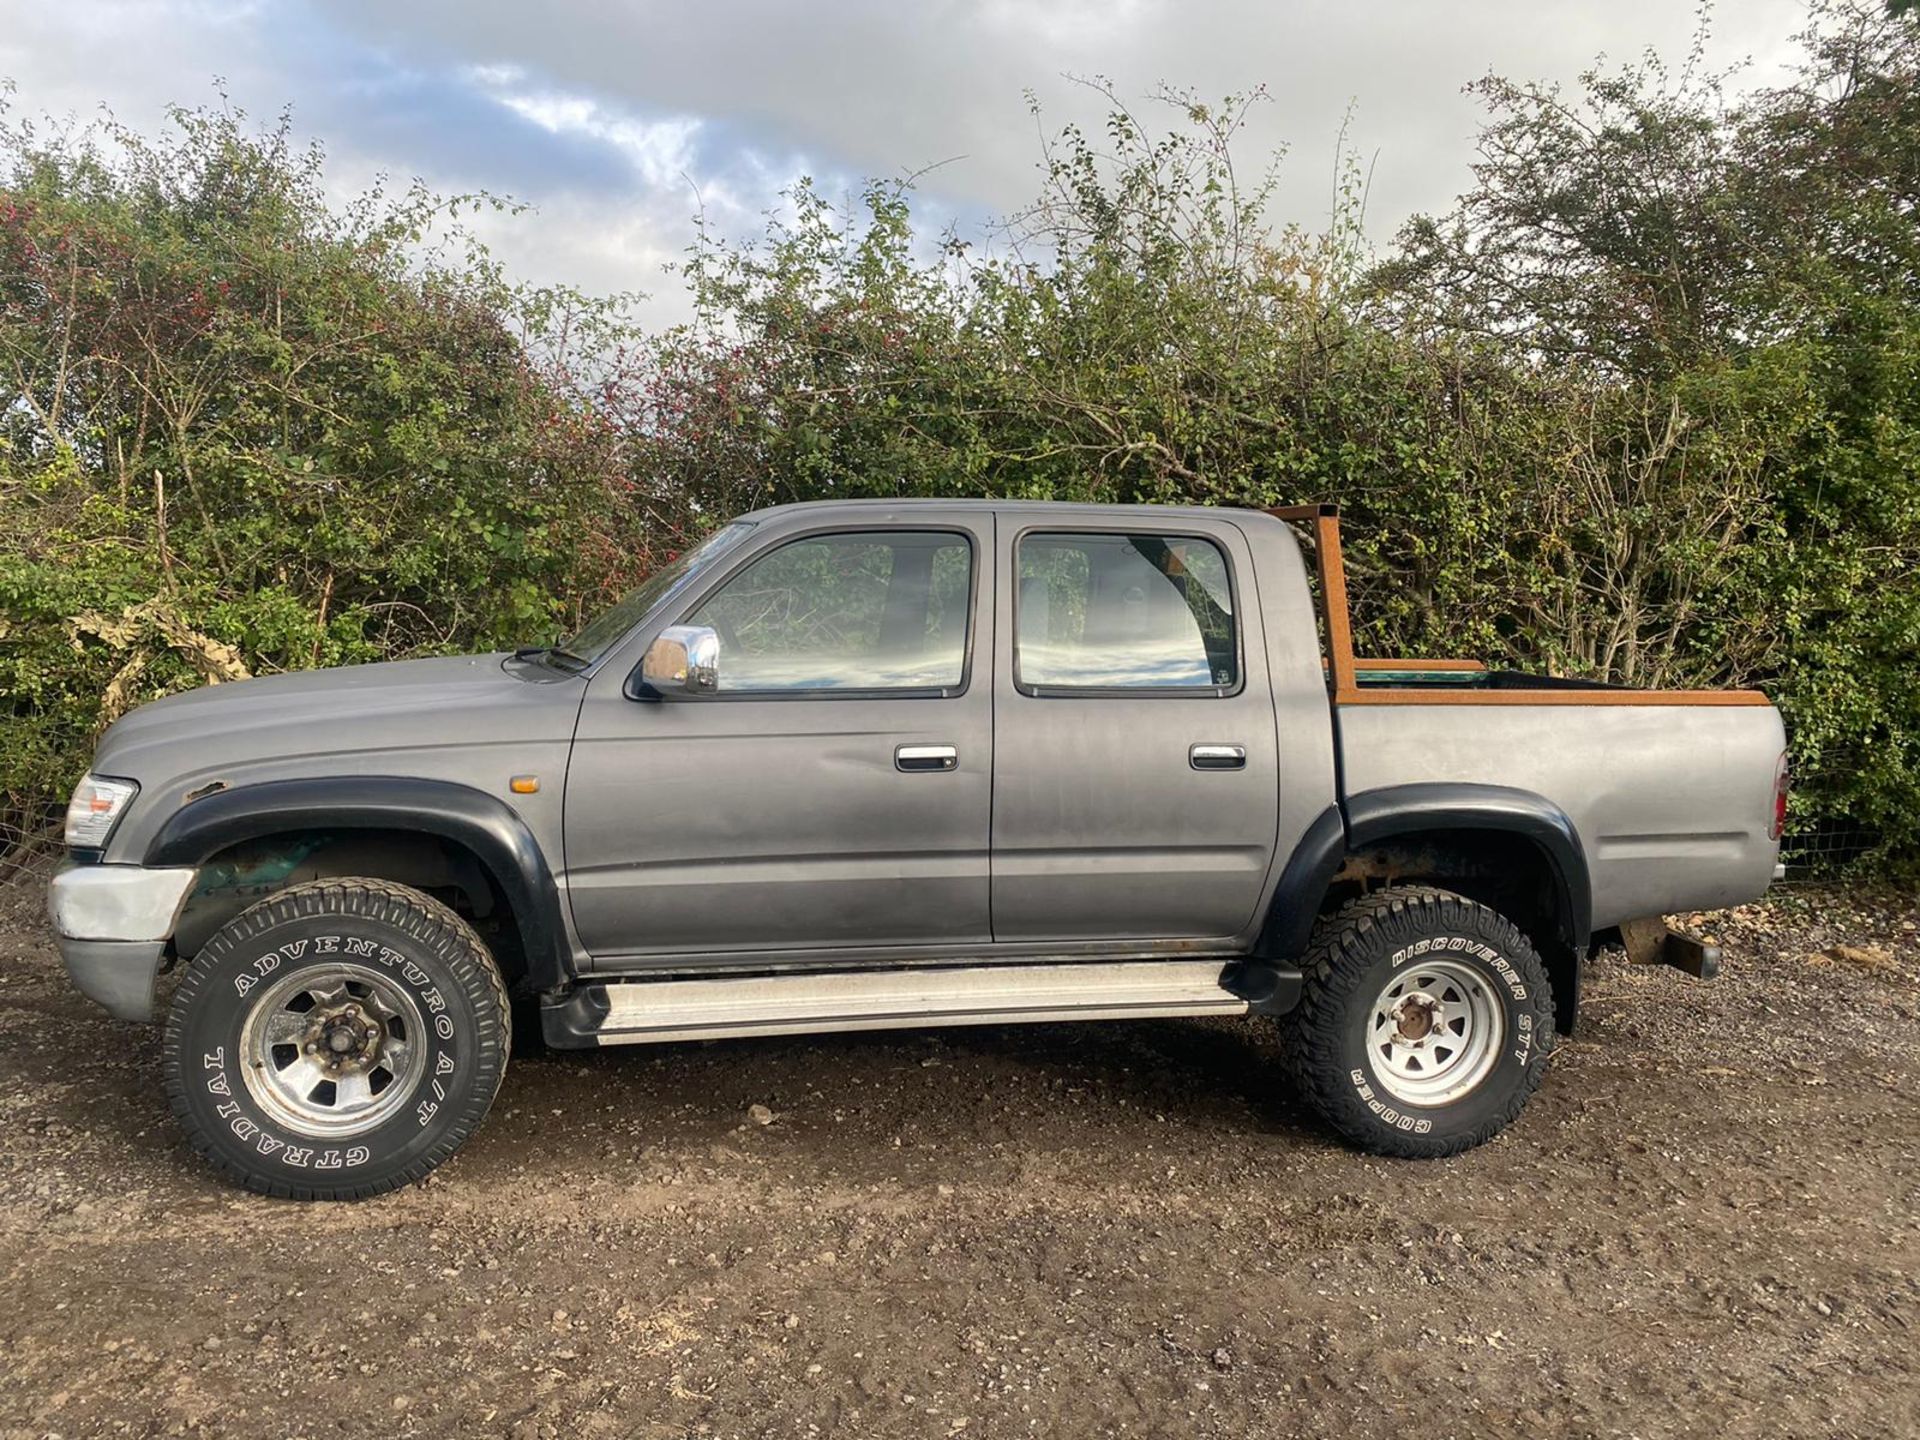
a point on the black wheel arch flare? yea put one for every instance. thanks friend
(1370, 817)
(483, 824)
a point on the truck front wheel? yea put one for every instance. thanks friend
(1424, 1025)
(336, 1040)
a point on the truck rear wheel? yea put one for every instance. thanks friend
(1424, 1025)
(336, 1040)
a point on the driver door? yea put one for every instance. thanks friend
(834, 791)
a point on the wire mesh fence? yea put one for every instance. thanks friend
(1826, 846)
(1826, 849)
(29, 844)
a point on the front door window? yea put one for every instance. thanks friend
(868, 612)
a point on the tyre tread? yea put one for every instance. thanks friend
(418, 916)
(1338, 959)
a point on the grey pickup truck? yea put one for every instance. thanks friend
(870, 764)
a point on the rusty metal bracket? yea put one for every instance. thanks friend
(1653, 942)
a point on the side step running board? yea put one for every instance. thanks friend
(641, 1011)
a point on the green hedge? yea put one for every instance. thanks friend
(1644, 406)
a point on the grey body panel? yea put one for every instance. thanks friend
(920, 954)
(727, 823)
(475, 721)
(1672, 803)
(467, 719)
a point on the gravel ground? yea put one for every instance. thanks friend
(1704, 1224)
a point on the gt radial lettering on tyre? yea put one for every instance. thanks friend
(1421, 1023)
(348, 1034)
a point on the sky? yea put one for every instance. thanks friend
(618, 122)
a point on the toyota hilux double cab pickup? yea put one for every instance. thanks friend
(868, 764)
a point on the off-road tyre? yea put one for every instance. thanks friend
(1409, 940)
(402, 976)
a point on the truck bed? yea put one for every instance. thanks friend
(1670, 791)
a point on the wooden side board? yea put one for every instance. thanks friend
(1343, 669)
(1411, 695)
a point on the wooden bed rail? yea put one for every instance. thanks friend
(1325, 520)
(1343, 670)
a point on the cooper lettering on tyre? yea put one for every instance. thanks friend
(336, 1040)
(1424, 1023)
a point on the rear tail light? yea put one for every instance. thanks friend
(1779, 826)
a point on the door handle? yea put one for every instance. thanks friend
(916, 758)
(1218, 757)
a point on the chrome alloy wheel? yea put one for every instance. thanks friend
(333, 1051)
(1436, 1032)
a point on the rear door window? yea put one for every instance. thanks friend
(1123, 612)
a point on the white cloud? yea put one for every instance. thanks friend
(617, 122)
(658, 150)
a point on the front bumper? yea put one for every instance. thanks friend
(112, 923)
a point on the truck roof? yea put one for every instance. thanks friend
(1031, 507)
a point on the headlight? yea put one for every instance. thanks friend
(96, 807)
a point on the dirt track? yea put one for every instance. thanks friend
(1705, 1224)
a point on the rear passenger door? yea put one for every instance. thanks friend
(1135, 782)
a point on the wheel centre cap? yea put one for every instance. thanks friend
(344, 1039)
(1414, 1017)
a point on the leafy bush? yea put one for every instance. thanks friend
(1644, 406)
(245, 432)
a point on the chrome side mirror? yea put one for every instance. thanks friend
(683, 660)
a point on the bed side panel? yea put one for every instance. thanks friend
(1672, 803)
